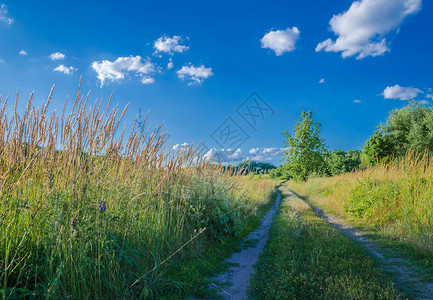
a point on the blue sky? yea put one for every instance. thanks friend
(193, 63)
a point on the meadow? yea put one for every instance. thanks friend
(91, 210)
(307, 258)
(395, 199)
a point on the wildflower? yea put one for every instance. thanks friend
(73, 224)
(102, 206)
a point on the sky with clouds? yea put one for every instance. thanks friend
(231, 74)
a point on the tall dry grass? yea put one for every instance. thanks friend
(396, 197)
(90, 210)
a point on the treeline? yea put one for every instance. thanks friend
(407, 128)
(334, 163)
(251, 166)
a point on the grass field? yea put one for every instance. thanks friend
(90, 210)
(395, 199)
(306, 258)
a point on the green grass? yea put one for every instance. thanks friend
(371, 209)
(306, 258)
(90, 212)
(191, 274)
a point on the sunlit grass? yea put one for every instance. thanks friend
(307, 258)
(396, 198)
(89, 210)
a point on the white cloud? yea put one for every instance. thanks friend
(148, 80)
(4, 15)
(169, 45)
(361, 30)
(118, 69)
(236, 155)
(65, 70)
(180, 146)
(281, 41)
(266, 154)
(23, 52)
(322, 80)
(401, 93)
(357, 101)
(224, 155)
(170, 64)
(195, 75)
(424, 102)
(57, 56)
(429, 96)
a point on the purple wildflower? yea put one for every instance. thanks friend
(102, 206)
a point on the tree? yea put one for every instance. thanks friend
(339, 162)
(279, 173)
(336, 162)
(305, 155)
(379, 147)
(410, 127)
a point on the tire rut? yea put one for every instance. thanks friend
(238, 275)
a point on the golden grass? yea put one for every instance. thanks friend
(90, 210)
(396, 197)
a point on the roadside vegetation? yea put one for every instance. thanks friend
(90, 210)
(393, 198)
(387, 187)
(307, 258)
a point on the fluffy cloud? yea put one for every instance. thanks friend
(4, 15)
(361, 30)
(65, 70)
(423, 102)
(23, 52)
(281, 41)
(429, 96)
(225, 155)
(118, 69)
(195, 75)
(170, 64)
(57, 56)
(265, 154)
(236, 155)
(147, 80)
(180, 146)
(322, 80)
(357, 101)
(169, 45)
(401, 93)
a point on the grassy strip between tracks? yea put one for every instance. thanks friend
(308, 258)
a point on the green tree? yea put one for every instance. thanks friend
(279, 173)
(305, 154)
(410, 127)
(353, 160)
(379, 147)
(339, 162)
(336, 162)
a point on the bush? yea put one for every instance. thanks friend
(375, 201)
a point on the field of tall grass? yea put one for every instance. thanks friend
(90, 210)
(396, 198)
